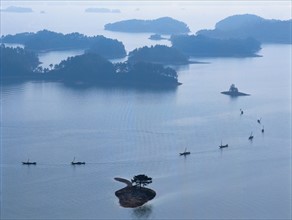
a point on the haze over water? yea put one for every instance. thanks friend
(124, 132)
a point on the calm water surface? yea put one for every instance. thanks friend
(122, 133)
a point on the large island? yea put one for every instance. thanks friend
(88, 69)
(202, 46)
(48, 41)
(248, 25)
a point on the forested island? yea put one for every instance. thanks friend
(164, 25)
(158, 54)
(48, 40)
(87, 69)
(202, 46)
(248, 25)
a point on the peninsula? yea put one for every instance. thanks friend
(164, 25)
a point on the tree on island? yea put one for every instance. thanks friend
(141, 180)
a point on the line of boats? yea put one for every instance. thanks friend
(72, 163)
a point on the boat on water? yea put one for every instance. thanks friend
(28, 163)
(233, 91)
(77, 162)
(223, 146)
(185, 153)
(250, 136)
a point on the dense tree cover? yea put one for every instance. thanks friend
(201, 46)
(87, 68)
(48, 40)
(17, 63)
(164, 25)
(146, 74)
(248, 25)
(157, 54)
(141, 180)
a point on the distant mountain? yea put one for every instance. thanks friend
(201, 46)
(16, 9)
(157, 54)
(47, 40)
(247, 25)
(164, 25)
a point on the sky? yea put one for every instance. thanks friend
(69, 16)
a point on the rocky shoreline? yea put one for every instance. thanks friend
(133, 196)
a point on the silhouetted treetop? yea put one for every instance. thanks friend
(248, 25)
(157, 54)
(201, 46)
(49, 40)
(17, 62)
(164, 25)
(141, 180)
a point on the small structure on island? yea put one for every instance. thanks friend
(234, 92)
(136, 195)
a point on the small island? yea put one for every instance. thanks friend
(101, 10)
(249, 25)
(164, 25)
(133, 196)
(17, 9)
(234, 92)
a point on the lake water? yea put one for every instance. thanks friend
(121, 133)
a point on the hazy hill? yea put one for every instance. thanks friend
(201, 46)
(48, 40)
(164, 25)
(247, 25)
(157, 54)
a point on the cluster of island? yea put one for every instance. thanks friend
(235, 36)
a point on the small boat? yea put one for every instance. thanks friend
(259, 120)
(250, 137)
(263, 129)
(233, 91)
(28, 163)
(185, 153)
(241, 111)
(223, 146)
(77, 162)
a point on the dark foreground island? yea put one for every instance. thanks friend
(133, 196)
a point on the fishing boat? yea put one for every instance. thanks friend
(233, 91)
(77, 162)
(185, 153)
(250, 137)
(223, 146)
(263, 129)
(28, 163)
